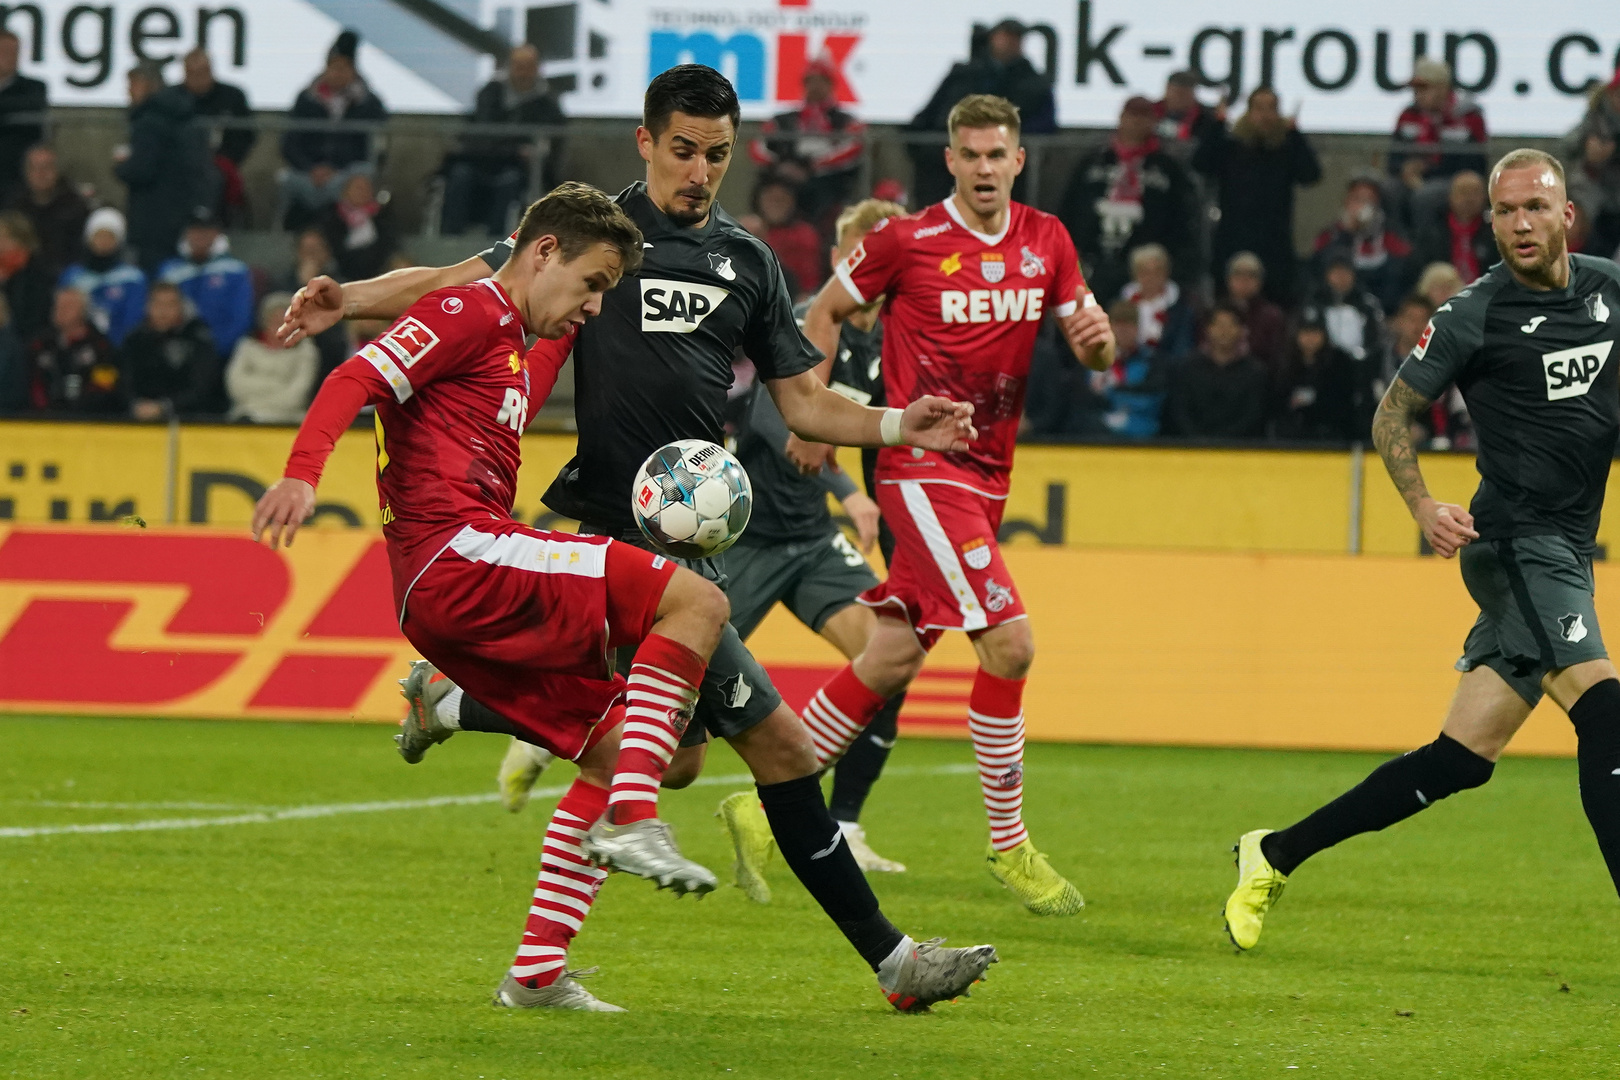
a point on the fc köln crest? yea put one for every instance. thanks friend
(992, 267)
(1032, 265)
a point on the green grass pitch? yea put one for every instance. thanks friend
(1480, 940)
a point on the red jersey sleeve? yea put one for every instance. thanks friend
(351, 387)
(870, 270)
(1066, 276)
(424, 343)
(545, 362)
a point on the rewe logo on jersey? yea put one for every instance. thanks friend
(677, 307)
(991, 305)
(1570, 372)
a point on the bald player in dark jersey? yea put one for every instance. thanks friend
(654, 367)
(1531, 347)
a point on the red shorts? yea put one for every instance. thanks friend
(947, 572)
(522, 620)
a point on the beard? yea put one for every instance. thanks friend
(682, 216)
(1543, 269)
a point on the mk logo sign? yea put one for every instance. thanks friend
(677, 307)
(1570, 372)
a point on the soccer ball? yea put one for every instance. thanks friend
(692, 499)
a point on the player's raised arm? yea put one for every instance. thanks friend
(322, 303)
(1088, 331)
(818, 414)
(1447, 526)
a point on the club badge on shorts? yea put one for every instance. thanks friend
(996, 597)
(976, 553)
(992, 267)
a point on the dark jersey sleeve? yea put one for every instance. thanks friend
(772, 338)
(495, 255)
(1449, 342)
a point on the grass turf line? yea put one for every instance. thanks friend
(367, 945)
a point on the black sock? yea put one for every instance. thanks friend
(1596, 717)
(813, 847)
(1393, 792)
(479, 717)
(860, 767)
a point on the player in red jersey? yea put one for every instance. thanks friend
(521, 617)
(967, 282)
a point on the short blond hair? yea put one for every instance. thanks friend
(1527, 158)
(858, 220)
(984, 111)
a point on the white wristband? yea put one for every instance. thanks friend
(890, 426)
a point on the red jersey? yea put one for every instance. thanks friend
(960, 320)
(451, 386)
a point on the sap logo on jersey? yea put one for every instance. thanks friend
(677, 307)
(1570, 371)
(991, 305)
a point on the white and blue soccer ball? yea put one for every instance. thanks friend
(692, 499)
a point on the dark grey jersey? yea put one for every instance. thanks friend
(788, 505)
(655, 365)
(1537, 371)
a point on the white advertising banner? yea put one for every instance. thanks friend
(1343, 67)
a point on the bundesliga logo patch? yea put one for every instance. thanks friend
(1423, 342)
(976, 553)
(409, 340)
(992, 267)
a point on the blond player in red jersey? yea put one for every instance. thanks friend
(968, 282)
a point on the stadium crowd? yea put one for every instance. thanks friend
(1184, 217)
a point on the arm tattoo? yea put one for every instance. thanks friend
(1392, 434)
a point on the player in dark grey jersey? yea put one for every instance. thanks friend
(1530, 345)
(654, 367)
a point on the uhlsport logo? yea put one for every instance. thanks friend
(762, 48)
(1571, 372)
(677, 307)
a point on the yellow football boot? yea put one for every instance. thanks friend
(1259, 886)
(1031, 878)
(751, 838)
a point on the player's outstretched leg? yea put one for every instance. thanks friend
(911, 976)
(520, 771)
(853, 777)
(1486, 711)
(1596, 716)
(539, 976)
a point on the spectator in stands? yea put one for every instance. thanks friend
(56, 211)
(1314, 399)
(321, 161)
(169, 361)
(997, 65)
(1460, 232)
(1377, 254)
(74, 369)
(230, 145)
(1133, 389)
(115, 289)
(1439, 282)
(797, 244)
(1220, 391)
(16, 372)
(1126, 194)
(1184, 122)
(217, 283)
(270, 383)
(1167, 321)
(488, 176)
(313, 258)
(1263, 321)
(1594, 187)
(816, 147)
(27, 287)
(359, 229)
(167, 166)
(1450, 125)
(1255, 168)
(1353, 316)
(1406, 326)
(20, 96)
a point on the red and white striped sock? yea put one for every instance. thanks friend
(567, 886)
(838, 713)
(996, 720)
(664, 681)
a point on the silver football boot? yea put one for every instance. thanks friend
(646, 849)
(928, 972)
(565, 993)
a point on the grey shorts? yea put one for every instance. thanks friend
(1536, 610)
(737, 693)
(816, 579)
